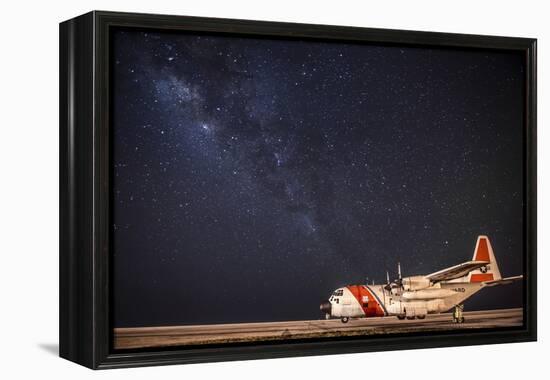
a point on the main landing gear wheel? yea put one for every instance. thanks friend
(457, 314)
(345, 319)
(400, 317)
(420, 316)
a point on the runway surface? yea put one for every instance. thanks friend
(142, 337)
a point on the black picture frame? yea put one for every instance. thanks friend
(85, 329)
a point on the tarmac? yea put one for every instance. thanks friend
(165, 336)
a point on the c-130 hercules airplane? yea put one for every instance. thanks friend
(415, 296)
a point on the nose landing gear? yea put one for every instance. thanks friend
(457, 314)
(344, 319)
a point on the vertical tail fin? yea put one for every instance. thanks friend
(484, 252)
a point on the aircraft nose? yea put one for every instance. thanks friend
(325, 307)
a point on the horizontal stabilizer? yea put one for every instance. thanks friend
(456, 271)
(483, 267)
(503, 281)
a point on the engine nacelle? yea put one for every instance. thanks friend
(415, 283)
(428, 294)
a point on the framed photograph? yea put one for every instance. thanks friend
(236, 189)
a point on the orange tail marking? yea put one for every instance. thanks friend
(480, 277)
(482, 251)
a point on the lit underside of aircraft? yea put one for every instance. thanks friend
(416, 296)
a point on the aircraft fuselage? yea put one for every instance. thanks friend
(358, 301)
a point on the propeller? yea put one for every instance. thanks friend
(399, 270)
(399, 280)
(388, 283)
(398, 283)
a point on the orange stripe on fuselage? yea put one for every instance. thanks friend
(480, 277)
(482, 252)
(373, 308)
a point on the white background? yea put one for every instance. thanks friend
(29, 186)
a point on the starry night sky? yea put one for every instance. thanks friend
(254, 176)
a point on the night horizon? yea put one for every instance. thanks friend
(252, 177)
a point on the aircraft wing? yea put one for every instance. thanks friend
(456, 271)
(503, 281)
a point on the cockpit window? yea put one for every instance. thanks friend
(339, 292)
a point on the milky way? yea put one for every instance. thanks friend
(254, 176)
